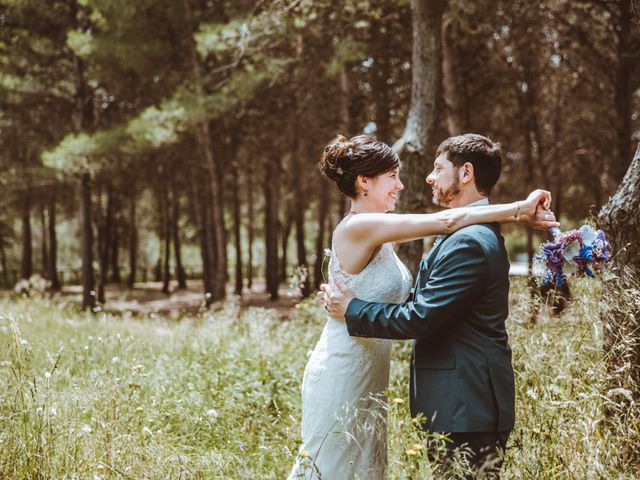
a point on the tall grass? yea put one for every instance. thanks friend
(217, 395)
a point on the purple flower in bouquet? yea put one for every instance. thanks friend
(554, 255)
(577, 251)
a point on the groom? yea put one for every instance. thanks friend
(461, 375)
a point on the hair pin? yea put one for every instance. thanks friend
(339, 171)
(350, 152)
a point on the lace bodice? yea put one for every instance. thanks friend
(384, 279)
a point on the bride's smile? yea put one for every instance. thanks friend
(382, 192)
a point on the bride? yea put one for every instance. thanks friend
(344, 425)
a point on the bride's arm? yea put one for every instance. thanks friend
(378, 228)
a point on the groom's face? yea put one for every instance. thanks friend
(444, 181)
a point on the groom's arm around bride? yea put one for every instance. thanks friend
(461, 375)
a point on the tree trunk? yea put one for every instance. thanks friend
(236, 229)
(381, 91)
(623, 87)
(299, 208)
(26, 265)
(43, 244)
(454, 100)
(620, 314)
(200, 212)
(133, 241)
(104, 241)
(347, 121)
(305, 287)
(203, 136)
(53, 245)
(88, 281)
(285, 232)
(217, 224)
(323, 208)
(3, 263)
(166, 233)
(418, 143)
(175, 229)
(620, 219)
(250, 228)
(271, 227)
(81, 111)
(114, 254)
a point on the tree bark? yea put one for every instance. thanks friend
(114, 255)
(200, 211)
(381, 73)
(285, 233)
(43, 243)
(203, 136)
(3, 263)
(88, 281)
(454, 100)
(418, 143)
(237, 222)
(175, 229)
(323, 209)
(271, 227)
(299, 208)
(620, 219)
(620, 313)
(53, 244)
(26, 264)
(347, 121)
(250, 228)
(133, 241)
(80, 110)
(166, 233)
(623, 87)
(104, 242)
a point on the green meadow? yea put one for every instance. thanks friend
(217, 395)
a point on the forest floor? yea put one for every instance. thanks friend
(148, 299)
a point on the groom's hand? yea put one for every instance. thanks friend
(336, 299)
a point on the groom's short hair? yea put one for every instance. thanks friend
(482, 152)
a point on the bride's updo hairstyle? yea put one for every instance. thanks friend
(344, 159)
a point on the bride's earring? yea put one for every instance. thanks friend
(366, 193)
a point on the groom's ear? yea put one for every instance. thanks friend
(467, 173)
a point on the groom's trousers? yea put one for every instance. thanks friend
(483, 450)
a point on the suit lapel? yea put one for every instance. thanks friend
(426, 264)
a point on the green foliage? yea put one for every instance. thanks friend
(218, 395)
(80, 43)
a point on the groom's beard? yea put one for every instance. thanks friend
(444, 196)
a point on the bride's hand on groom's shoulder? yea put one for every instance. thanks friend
(537, 198)
(542, 219)
(536, 211)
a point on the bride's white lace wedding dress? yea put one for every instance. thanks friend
(344, 414)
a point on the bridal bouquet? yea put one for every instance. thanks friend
(579, 252)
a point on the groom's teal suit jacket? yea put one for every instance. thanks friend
(461, 374)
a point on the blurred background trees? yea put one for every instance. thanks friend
(177, 140)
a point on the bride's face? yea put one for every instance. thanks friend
(383, 190)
